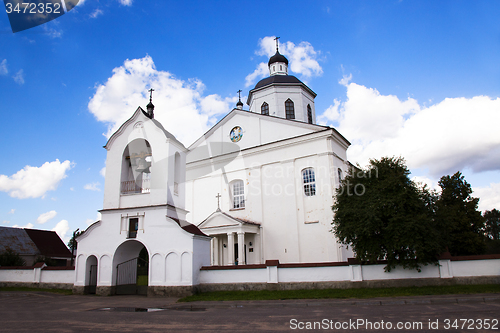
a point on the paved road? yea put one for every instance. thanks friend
(46, 312)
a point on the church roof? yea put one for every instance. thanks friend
(285, 80)
(277, 79)
(277, 57)
(191, 228)
(230, 217)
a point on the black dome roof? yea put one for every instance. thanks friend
(277, 79)
(278, 57)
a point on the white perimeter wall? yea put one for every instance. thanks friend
(38, 275)
(274, 274)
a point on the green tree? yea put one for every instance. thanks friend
(492, 224)
(72, 243)
(384, 215)
(11, 258)
(459, 221)
(492, 230)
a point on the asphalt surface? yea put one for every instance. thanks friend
(47, 312)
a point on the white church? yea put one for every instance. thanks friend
(257, 186)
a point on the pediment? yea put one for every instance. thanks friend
(138, 119)
(241, 130)
(218, 219)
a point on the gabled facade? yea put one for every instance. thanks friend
(270, 167)
(279, 174)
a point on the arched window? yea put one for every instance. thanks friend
(238, 193)
(309, 181)
(339, 172)
(264, 109)
(309, 114)
(289, 109)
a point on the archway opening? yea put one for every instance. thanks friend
(131, 275)
(91, 275)
(136, 167)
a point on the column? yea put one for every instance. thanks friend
(230, 248)
(241, 248)
(216, 251)
(212, 252)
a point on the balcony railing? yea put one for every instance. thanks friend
(132, 186)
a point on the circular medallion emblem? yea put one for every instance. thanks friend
(236, 134)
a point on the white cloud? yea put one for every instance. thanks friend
(3, 67)
(303, 59)
(5, 222)
(96, 13)
(51, 31)
(454, 134)
(423, 180)
(27, 226)
(19, 77)
(103, 172)
(46, 217)
(92, 187)
(261, 71)
(12, 211)
(331, 114)
(89, 222)
(489, 196)
(179, 105)
(126, 2)
(61, 229)
(34, 182)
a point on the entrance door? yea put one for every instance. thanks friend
(93, 279)
(236, 254)
(236, 261)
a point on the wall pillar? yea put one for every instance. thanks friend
(241, 248)
(230, 248)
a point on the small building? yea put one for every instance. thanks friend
(32, 243)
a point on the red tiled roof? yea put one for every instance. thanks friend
(191, 228)
(49, 243)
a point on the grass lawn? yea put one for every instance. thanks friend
(142, 280)
(341, 293)
(57, 291)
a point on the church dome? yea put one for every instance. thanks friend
(290, 79)
(278, 57)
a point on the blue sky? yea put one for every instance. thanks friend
(420, 79)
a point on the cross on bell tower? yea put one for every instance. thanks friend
(150, 107)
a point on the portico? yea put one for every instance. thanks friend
(234, 241)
